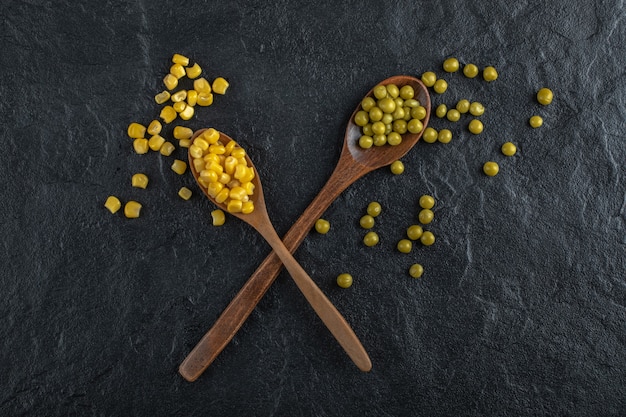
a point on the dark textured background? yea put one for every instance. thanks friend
(521, 310)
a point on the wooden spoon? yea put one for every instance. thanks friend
(259, 219)
(354, 162)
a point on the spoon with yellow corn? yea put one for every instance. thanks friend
(227, 177)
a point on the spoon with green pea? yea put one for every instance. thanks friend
(354, 162)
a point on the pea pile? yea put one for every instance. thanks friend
(389, 114)
(176, 102)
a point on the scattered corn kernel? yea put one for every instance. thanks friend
(536, 121)
(201, 85)
(416, 270)
(139, 180)
(136, 130)
(112, 204)
(184, 193)
(167, 148)
(187, 113)
(180, 95)
(204, 99)
(179, 166)
(220, 85)
(491, 168)
(218, 216)
(180, 59)
(168, 114)
(344, 280)
(194, 71)
(179, 107)
(162, 97)
(140, 145)
(170, 81)
(155, 142)
(192, 97)
(177, 71)
(132, 209)
(490, 74)
(509, 149)
(181, 132)
(322, 226)
(184, 143)
(154, 128)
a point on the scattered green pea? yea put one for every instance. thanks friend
(490, 74)
(367, 222)
(344, 280)
(374, 208)
(440, 86)
(491, 168)
(451, 65)
(453, 115)
(416, 270)
(476, 109)
(476, 126)
(427, 238)
(429, 78)
(444, 136)
(371, 239)
(463, 106)
(470, 70)
(426, 216)
(404, 245)
(397, 167)
(545, 96)
(441, 111)
(414, 232)
(536, 121)
(427, 201)
(509, 149)
(430, 135)
(322, 226)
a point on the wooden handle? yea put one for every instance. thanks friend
(240, 308)
(326, 311)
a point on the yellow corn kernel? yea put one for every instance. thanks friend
(222, 195)
(234, 206)
(224, 178)
(167, 149)
(204, 99)
(213, 166)
(179, 166)
(198, 164)
(112, 204)
(240, 171)
(162, 97)
(170, 81)
(192, 97)
(193, 71)
(244, 174)
(184, 143)
(238, 193)
(195, 151)
(202, 182)
(136, 130)
(177, 71)
(242, 161)
(228, 148)
(247, 207)
(214, 188)
(238, 153)
(249, 187)
(155, 142)
(168, 114)
(132, 209)
(187, 113)
(233, 183)
(201, 85)
(180, 106)
(154, 128)
(180, 95)
(211, 135)
(180, 59)
(184, 193)
(203, 144)
(229, 165)
(218, 216)
(208, 175)
(211, 157)
(220, 85)
(139, 180)
(217, 149)
(140, 145)
(181, 132)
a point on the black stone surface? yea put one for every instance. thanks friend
(522, 307)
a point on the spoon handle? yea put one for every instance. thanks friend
(326, 311)
(242, 305)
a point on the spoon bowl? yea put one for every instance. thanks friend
(354, 162)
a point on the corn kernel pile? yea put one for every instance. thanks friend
(180, 103)
(223, 171)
